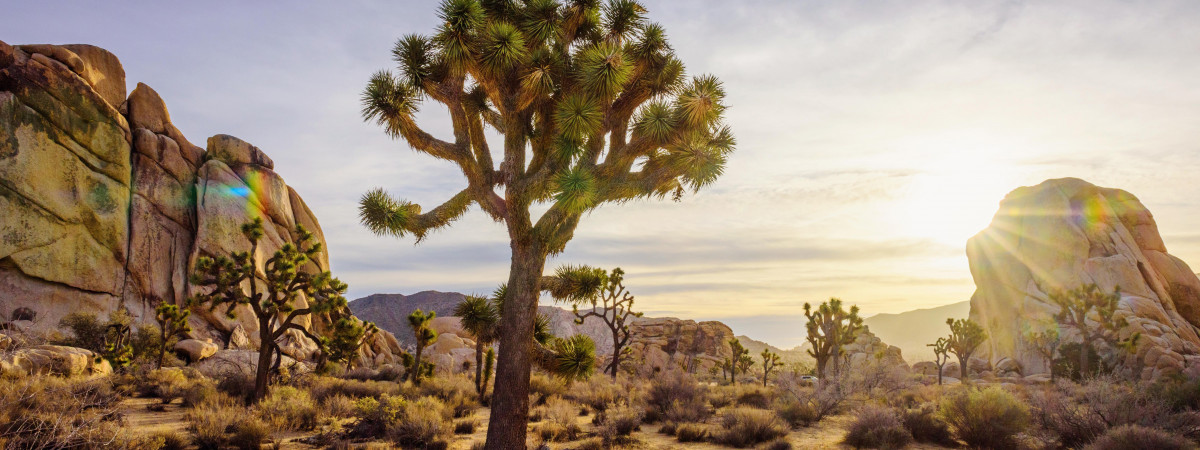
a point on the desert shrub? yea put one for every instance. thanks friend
(447, 387)
(989, 418)
(237, 385)
(171, 440)
(877, 426)
(249, 433)
(598, 393)
(691, 432)
(721, 396)
(166, 384)
(925, 427)
(811, 403)
(375, 415)
(465, 426)
(338, 406)
(675, 396)
(424, 423)
(793, 412)
(778, 445)
(744, 427)
(323, 387)
(52, 412)
(1178, 393)
(1066, 366)
(544, 386)
(288, 408)
(560, 421)
(204, 391)
(619, 423)
(462, 405)
(209, 424)
(754, 397)
(1056, 410)
(1134, 437)
(668, 428)
(595, 443)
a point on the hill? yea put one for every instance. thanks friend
(913, 330)
(790, 356)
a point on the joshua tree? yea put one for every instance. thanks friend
(965, 337)
(593, 96)
(172, 322)
(273, 293)
(1075, 307)
(745, 363)
(726, 368)
(611, 303)
(479, 316)
(1045, 342)
(349, 335)
(736, 360)
(419, 322)
(941, 354)
(829, 328)
(770, 361)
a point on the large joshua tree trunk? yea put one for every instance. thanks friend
(510, 399)
(265, 347)
(616, 360)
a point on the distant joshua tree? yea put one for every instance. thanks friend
(829, 328)
(419, 322)
(1046, 343)
(172, 323)
(770, 361)
(1075, 307)
(941, 355)
(272, 296)
(736, 361)
(479, 317)
(965, 337)
(611, 303)
(593, 108)
(349, 335)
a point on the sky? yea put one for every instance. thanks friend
(874, 138)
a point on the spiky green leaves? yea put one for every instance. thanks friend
(501, 48)
(385, 215)
(602, 70)
(541, 20)
(414, 54)
(574, 357)
(652, 46)
(389, 102)
(702, 102)
(656, 121)
(622, 18)
(578, 116)
(479, 316)
(576, 189)
(575, 284)
(460, 18)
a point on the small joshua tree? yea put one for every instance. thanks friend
(770, 362)
(273, 294)
(736, 360)
(349, 335)
(419, 322)
(172, 323)
(479, 317)
(941, 355)
(1076, 305)
(1046, 343)
(610, 302)
(829, 328)
(965, 337)
(489, 364)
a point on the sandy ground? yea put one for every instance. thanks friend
(828, 434)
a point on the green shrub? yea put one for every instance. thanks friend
(877, 427)
(691, 432)
(989, 418)
(1135, 437)
(744, 427)
(288, 408)
(208, 424)
(204, 391)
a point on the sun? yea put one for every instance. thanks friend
(955, 189)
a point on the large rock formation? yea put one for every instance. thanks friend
(1067, 232)
(105, 205)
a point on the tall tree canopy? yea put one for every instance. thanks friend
(593, 107)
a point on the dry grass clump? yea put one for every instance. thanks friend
(249, 434)
(50, 412)
(618, 423)
(560, 421)
(338, 405)
(803, 404)
(424, 423)
(171, 440)
(877, 426)
(754, 397)
(219, 426)
(323, 387)
(598, 392)
(744, 427)
(990, 418)
(543, 387)
(1128, 437)
(288, 408)
(204, 391)
(691, 432)
(466, 426)
(795, 413)
(166, 384)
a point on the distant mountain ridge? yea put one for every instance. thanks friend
(794, 355)
(912, 331)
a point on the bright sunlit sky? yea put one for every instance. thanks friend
(874, 137)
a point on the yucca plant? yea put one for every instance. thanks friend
(172, 323)
(593, 108)
(425, 336)
(479, 316)
(273, 292)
